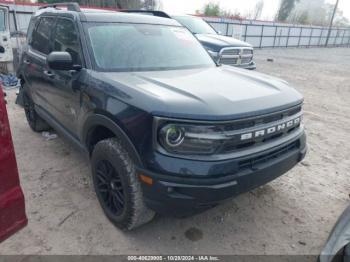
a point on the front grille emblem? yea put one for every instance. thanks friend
(239, 59)
(281, 127)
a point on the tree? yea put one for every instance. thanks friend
(152, 4)
(286, 7)
(316, 12)
(259, 6)
(339, 19)
(212, 9)
(308, 12)
(229, 13)
(303, 18)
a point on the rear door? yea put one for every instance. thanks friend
(12, 209)
(35, 66)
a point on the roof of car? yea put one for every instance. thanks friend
(129, 17)
(99, 15)
(188, 16)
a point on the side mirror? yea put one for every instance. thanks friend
(2, 49)
(60, 61)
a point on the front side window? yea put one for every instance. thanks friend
(66, 39)
(144, 47)
(41, 36)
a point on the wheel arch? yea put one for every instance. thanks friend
(98, 122)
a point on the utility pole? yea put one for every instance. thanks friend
(331, 22)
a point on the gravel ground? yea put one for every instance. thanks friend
(291, 215)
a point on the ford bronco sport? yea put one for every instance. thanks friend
(166, 129)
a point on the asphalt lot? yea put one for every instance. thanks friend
(291, 215)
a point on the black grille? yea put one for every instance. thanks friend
(234, 144)
(241, 124)
(250, 163)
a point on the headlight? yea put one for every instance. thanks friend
(174, 135)
(189, 139)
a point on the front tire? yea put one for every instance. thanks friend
(36, 123)
(117, 186)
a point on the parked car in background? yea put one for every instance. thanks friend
(223, 49)
(166, 129)
(12, 207)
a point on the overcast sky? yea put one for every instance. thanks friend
(242, 6)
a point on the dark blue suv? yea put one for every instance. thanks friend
(167, 130)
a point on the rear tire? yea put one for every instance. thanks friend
(117, 186)
(36, 123)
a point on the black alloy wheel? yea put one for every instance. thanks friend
(117, 185)
(110, 187)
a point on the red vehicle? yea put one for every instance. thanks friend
(12, 208)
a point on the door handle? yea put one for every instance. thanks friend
(49, 74)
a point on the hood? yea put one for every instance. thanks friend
(216, 42)
(215, 93)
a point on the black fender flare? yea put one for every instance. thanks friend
(101, 120)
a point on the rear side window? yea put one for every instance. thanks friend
(31, 27)
(66, 39)
(41, 36)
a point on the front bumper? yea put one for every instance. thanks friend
(250, 66)
(184, 195)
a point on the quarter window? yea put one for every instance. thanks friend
(41, 36)
(67, 40)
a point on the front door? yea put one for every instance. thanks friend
(65, 84)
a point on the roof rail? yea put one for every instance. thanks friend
(70, 6)
(146, 12)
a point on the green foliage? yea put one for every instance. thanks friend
(286, 7)
(303, 18)
(212, 9)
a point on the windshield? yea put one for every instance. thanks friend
(195, 25)
(144, 47)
